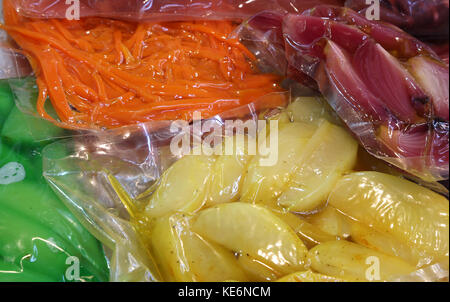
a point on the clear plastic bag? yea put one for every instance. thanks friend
(173, 10)
(427, 19)
(39, 237)
(117, 172)
(121, 73)
(12, 64)
(135, 156)
(375, 76)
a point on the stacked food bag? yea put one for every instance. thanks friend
(242, 140)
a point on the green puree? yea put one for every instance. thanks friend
(40, 239)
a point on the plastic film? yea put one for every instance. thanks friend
(123, 175)
(173, 10)
(347, 57)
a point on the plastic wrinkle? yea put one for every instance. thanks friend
(136, 156)
(427, 19)
(104, 73)
(389, 88)
(163, 10)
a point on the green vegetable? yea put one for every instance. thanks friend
(30, 130)
(40, 239)
(6, 101)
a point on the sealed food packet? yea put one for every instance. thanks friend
(101, 163)
(205, 169)
(426, 19)
(163, 10)
(389, 88)
(40, 239)
(101, 73)
(111, 76)
(314, 214)
(12, 64)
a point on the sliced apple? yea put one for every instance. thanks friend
(254, 230)
(342, 258)
(330, 153)
(184, 256)
(183, 187)
(411, 214)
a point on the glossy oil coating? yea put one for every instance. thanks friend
(104, 73)
(39, 236)
(388, 87)
(166, 10)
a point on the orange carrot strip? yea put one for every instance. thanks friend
(107, 73)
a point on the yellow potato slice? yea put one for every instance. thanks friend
(411, 214)
(184, 256)
(284, 118)
(183, 187)
(331, 221)
(229, 170)
(263, 184)
(256, 270)
(311, 110)
(310, 234)
(330, 153)
(342, 258)
(386, 243)
(254, 231)
(309, 276)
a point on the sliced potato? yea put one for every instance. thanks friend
(311, 110)
(283, 117)
(344, 259)
(309, 276)
(229, 170)
(331, 221)
(385, 243)
(310, 235)
(411, 214)
(256, 270)
(254, 231)
(330, 153)
(184, 256)
(263, 184)
(183, 187)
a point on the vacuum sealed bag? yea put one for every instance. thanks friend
(101, 73)
(194, 163)
(297, 210)
(389, 88)
(172, 10)
(40, 239)
(427, 19)
(104, 73)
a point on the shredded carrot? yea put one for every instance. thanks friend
(104, 73)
